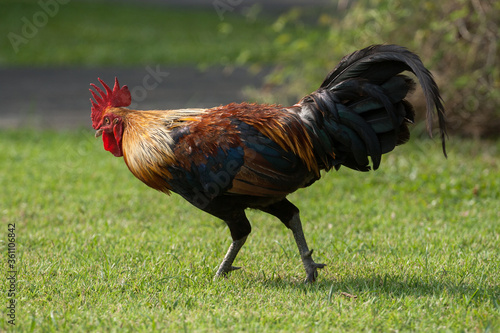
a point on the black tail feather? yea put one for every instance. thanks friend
(378, 63)
(364, 97)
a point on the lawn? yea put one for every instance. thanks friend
(410, 247)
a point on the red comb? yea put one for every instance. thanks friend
(111, 98)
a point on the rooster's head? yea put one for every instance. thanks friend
(107, 123)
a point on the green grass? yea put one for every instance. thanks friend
(93, 34)
(417, 242)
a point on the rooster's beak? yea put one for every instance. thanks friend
(98, 133)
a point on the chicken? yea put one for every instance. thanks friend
(226, 159)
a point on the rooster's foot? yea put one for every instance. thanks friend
(227, 264)
(223, 272)
(311, 267)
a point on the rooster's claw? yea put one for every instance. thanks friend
(223, 273)
(311, 267)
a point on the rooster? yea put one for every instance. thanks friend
(226, 159)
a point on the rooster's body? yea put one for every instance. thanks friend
(226, 159)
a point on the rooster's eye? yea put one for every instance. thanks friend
(106, 121)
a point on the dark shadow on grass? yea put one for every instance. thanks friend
(394, 286)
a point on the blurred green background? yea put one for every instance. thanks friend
(457, 39)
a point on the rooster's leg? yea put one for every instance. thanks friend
(240, 228)
(310, 266)
(227, 264)
(289, 215)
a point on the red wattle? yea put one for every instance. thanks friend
(111, 145)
